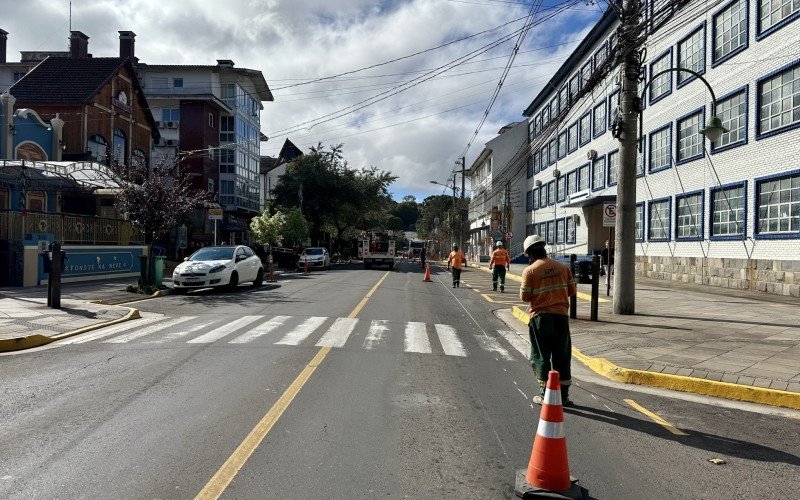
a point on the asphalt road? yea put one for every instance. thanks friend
(416, 393)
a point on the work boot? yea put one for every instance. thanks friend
(539, 400)
(502, 289)
(494, 288)
(454, 285)
(565, 401)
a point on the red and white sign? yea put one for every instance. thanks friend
(609, 214)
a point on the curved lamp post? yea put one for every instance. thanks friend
(714, 129)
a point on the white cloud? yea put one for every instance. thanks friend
(293, 40)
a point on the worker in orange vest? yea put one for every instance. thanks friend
(499, 264)
(455, 260)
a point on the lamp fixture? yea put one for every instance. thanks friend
(714, 129)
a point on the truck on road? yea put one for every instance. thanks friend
(378, 248)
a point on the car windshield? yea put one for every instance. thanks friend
(314, 251)
(212, 254)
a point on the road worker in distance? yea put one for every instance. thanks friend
(456, 260)
(499, 264)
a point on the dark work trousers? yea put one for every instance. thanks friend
(498, 273)
(551, 347)
(456, 276)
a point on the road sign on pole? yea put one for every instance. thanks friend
(609, 214)
(214, 214)
(509, 235)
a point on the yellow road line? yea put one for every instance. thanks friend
(660, 421)
(223, 477)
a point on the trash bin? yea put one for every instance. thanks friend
(158, 272)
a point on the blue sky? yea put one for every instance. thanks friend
(417, 134)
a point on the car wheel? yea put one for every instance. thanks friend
(259, 278)
(234, 282)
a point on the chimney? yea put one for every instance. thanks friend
(224, 63)
(127, 45)
(3, 41)
(78, 45)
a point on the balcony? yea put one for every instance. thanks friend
(68, 229)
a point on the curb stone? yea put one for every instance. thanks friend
(18, 344)
(725, 390)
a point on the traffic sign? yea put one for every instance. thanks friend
(609, 214)
(509, 235)
(182, 235)
(214, 214)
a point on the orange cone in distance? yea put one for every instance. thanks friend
(548, 468)
(427, 272)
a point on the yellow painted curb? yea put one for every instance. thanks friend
(726, 390)
(32, 341)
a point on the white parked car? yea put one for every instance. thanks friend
(217, 267)
(316, 257)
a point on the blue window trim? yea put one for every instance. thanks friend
(530, 167)
(575, 78)
(760, 35)
(702, 154)
(552, 146)
(572, 181)
(570, 241)
(643, 222)
(678, 197)
(551, 186)
(716, 62)
(666, 53)
(650, 204)
(577, 138)
(726, 237)
(759, 82)
(611, 105)
(580, 128)
(591, 179)
(566, 145)
(608, 167)
(595, 133)
(534, 199)
(650, 149)
(644, 155)
(746, 90)
(561, 194)
(590, 65)
(678, 83)
(563, 231)
(588, 167)
(757, 183)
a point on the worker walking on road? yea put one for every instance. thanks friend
(499, 264)
(547, 286)
(455, 260)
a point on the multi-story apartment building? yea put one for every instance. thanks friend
(210, 115)
(725, 213)
(496, 177)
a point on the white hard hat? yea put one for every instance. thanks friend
(498, 244)
(531, 240)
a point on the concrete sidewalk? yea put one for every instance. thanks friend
(26, 321)
(686, 334)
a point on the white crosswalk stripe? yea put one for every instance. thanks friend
(224, 330)
(449, 339)
(171, 336)
(492, 345)
(292, 331)
(337, 334)
(261, 330)
(302, 332)
(377, 330)
(417, 338)
(111, 330)
(147, 330)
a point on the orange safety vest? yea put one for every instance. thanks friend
(547, 286)
(500, 257)
(456, 258)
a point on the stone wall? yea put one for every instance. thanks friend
(780, 277)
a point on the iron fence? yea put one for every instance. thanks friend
(68, 229)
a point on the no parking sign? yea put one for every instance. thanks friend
(609, 214)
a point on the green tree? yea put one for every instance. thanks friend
(408, 211)
(295, 227)
(394, 223)
(268, 229)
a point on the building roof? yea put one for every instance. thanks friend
(583, 49)
(267, 164)
(262, 89)
(74, 80)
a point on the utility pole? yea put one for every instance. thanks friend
(461, 210)
(624, 241)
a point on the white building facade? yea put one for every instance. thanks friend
(725, 213)
(497, 205)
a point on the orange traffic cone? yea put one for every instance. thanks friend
(548, 469)
(427, 272)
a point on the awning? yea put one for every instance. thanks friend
(234, 223)
(588, 201)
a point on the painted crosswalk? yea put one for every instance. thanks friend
(412, 337)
